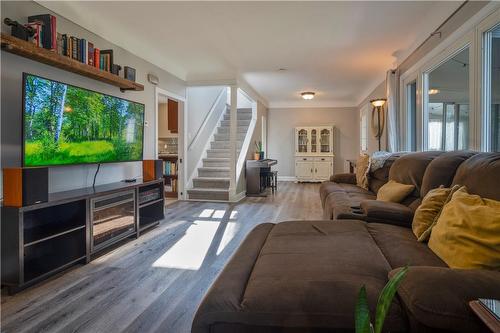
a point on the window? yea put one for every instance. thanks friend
(447, 104)
(411, 109)
(363, 132)
(491, 81)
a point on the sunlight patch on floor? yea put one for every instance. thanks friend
(229, 233)
(190, 251)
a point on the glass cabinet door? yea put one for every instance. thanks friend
(325, 139)
(314, 141)
(302, 141)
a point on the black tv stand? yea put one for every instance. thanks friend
(74, 227)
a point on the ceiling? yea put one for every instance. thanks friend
(340, 50)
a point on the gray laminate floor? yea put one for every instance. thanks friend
(154, 283)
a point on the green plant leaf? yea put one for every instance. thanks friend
(385, 298)
(362, 313)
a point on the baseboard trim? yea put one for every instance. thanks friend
(287, 179)
(238, 197)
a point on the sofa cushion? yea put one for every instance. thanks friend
(409, 169)
(341, 202)
(480, 174)
(438, 298)
(328, 188)
(441, 170)
(393, 191)
(348, 178)
(223, 300)
(428, 212)
(387, 212)
(309, 274)
(467, 233)
(379, 177)
(400, 246)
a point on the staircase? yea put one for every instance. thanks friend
(213, 178)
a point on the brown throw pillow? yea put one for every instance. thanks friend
(428, 212)
(362, 167)
(394, 192)
(467, 234)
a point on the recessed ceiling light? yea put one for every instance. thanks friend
(307, 95)
(433, 91)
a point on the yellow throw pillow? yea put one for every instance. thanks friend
(467, 234)
(362, 167)
(428, 212)
(394, 192)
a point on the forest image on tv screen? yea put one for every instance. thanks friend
(64, 124)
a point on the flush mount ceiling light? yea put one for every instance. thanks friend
(433, 91)
(307, 95)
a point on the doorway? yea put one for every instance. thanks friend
(169, 142)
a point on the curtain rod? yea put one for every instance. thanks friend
(437, 30)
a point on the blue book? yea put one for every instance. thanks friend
(83, 50)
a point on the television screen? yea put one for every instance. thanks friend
(64, 124)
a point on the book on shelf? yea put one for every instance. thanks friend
(48, 32)
(169, 168)
(37, 37)
(107, 60)
(90, 54)
(79, 49)
(97, 57)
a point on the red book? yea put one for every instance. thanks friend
(54, 32)
(97, 58)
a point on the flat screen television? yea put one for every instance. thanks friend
(64, 125)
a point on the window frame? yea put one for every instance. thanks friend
(406, 122)
(363, 115)
(488, 24)
(466, 41)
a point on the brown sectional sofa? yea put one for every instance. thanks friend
(425, 170)
(304, 276)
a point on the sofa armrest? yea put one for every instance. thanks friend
(438, 297)
(347, 178)
(387, 212)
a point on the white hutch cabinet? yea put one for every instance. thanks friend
(313, 153)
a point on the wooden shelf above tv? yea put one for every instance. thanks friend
(29, 50)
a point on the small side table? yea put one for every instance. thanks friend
(486, 317)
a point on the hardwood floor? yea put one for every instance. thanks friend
(154, 283)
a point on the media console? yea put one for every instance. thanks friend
(74, 227)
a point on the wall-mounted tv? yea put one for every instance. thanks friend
(64, 125)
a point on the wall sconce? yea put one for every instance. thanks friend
(378, 125)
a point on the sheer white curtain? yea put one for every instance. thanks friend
(392, 87)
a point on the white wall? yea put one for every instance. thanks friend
(199, 102)
(12, 67)
(281, 127)
(243, 101)
(372, 142)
